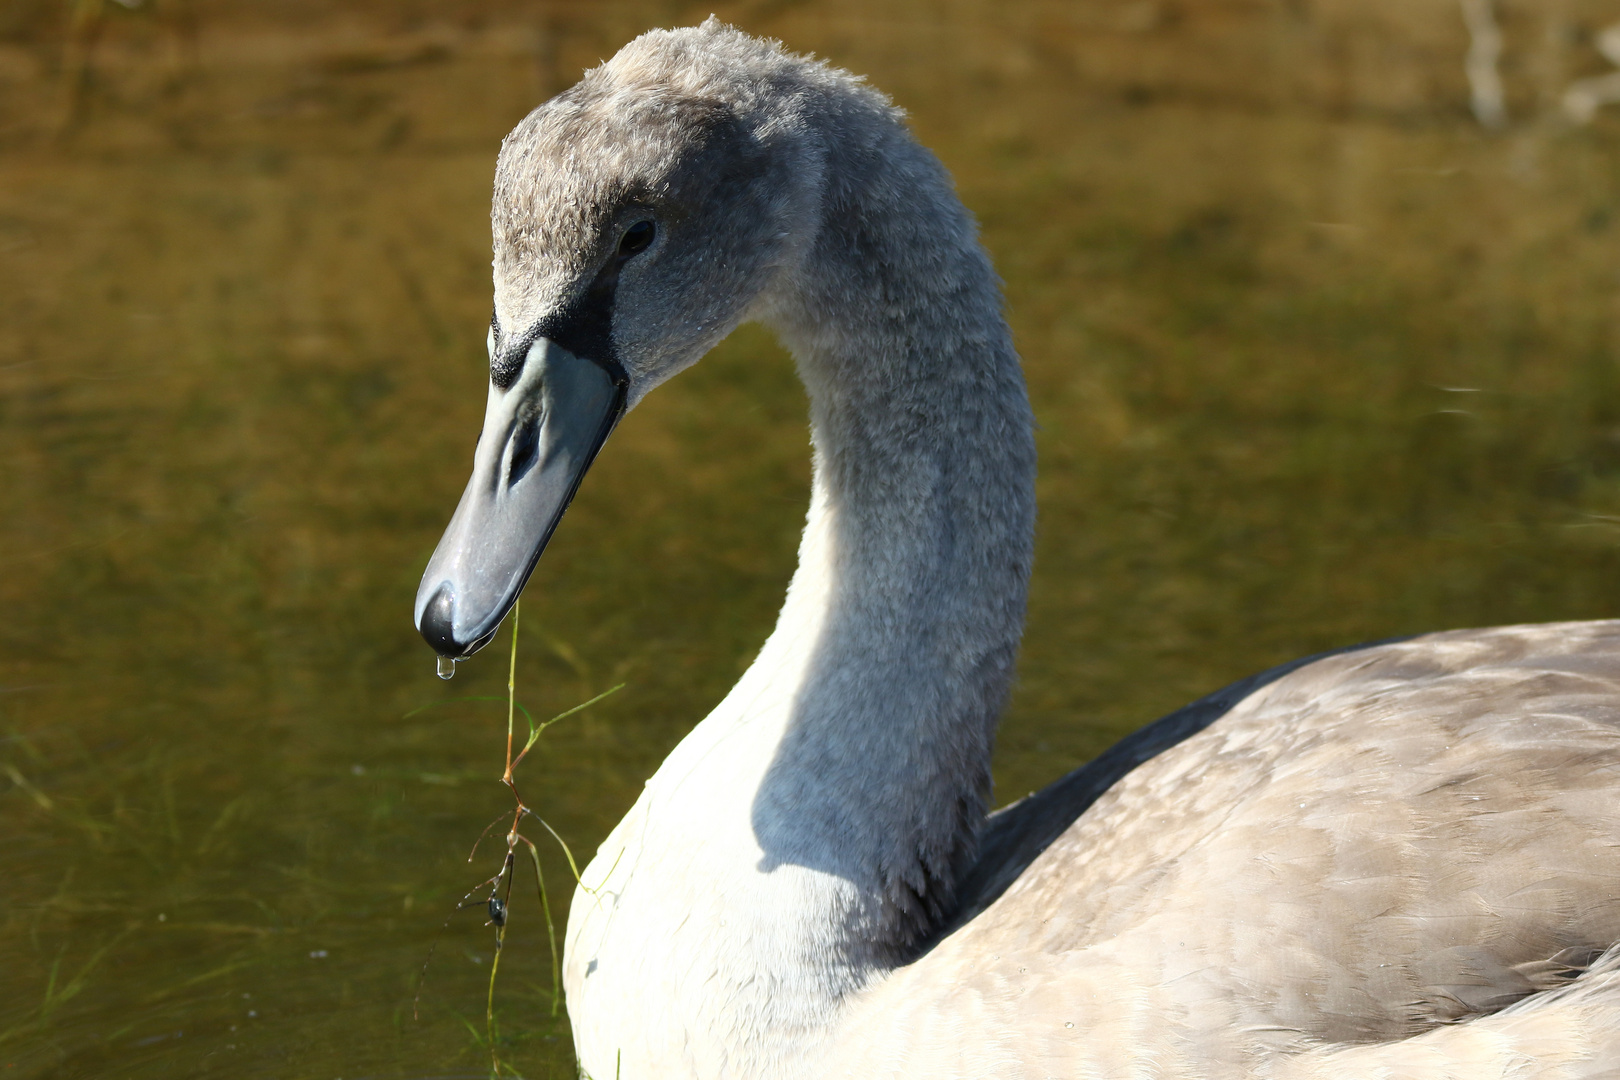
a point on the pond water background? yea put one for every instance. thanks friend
(1316, 360)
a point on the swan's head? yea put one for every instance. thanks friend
(637, 217)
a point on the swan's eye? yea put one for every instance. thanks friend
(636, 239)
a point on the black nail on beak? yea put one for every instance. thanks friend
(438, 619)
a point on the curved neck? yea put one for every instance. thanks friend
(915, 560)
(806, 837)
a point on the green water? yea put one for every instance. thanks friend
(1310, 369)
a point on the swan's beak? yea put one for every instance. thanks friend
(540, 435)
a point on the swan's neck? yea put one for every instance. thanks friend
(806, 836)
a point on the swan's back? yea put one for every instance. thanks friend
(1398, 840)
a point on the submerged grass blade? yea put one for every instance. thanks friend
(56, 997)
(58, 991)
(470, 697)
(42, 800)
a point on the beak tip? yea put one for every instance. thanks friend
(437, 624)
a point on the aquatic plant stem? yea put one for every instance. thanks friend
(500, 883)
(489, 1003)
(511, 694)
(512, 836)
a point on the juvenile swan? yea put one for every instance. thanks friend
(1397, 861)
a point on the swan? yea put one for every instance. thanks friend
(1398, 860)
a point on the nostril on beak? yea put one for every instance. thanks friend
(525, 451)
(438, 622)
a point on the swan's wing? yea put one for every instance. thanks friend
(1016, 834)
(1570, 1033)
(1359, 850)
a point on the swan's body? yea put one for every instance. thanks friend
(1395, 861)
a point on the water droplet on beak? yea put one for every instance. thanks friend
(447, 668)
